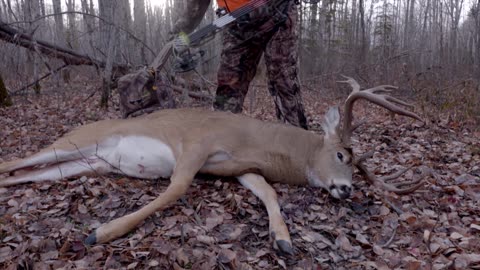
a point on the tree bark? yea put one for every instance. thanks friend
(363, 51)
(107, 75)
(57, 9)
(71, 29)
(109, 12)
(476, 15)
(5, 99)
(140, 28)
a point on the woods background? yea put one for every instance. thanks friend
(428, 48)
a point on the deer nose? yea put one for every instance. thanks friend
(343, 191)
(136, 101)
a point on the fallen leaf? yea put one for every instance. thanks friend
(51, 255)
(5, 253)
(226, 256)
(455, 235)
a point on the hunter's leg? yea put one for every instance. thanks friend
(238, 66)
(281, 61)
(278, 229)
(182, 177)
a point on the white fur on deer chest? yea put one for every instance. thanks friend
(141, 157)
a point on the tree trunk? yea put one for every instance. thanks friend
(5, 99)
(88, 23)
(31, 11)
(363, 52)
(107, 75)
(57, 8)
(110, 40)
(455, 10)
(123, 18)
(476, 14)
(71, 29)
(140, 29)
(4, 11)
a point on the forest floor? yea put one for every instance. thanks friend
(220, 225)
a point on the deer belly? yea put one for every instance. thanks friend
(142, 157)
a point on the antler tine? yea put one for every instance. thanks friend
(399, 101)
(353, 83)
(396, 188)
(375, 96)
(378, 95)
(380, 181)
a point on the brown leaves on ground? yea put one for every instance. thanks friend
(220, 225)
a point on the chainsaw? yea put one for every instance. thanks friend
(185, 59)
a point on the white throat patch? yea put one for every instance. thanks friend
(314, 180)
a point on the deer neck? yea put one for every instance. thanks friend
(292, 152)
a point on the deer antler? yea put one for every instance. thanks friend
(380, 181)
(377, 96)
(374, 95)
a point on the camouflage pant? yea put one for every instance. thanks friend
(243, 47)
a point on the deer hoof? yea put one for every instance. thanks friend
(285, 247)
(91, 239)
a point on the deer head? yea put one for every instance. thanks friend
(333, 163)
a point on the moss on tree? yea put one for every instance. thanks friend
(5, 99)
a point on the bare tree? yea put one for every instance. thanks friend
(5, 99)
(57, 9)
(454, 9)
(140, 28)
(109, 38)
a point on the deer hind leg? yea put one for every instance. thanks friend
(46, 157)
(181, 179)
(265, 192)
(58, 171)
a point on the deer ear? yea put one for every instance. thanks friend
(331, 123)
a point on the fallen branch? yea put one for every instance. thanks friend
(87, 14)
(70, 57)
(181, 90)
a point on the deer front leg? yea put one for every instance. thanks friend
(265, 192)
(181, 179)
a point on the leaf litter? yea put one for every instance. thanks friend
(220, 225)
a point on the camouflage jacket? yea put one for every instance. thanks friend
(193, 14)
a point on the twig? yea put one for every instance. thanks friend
(181, 90)
(39, 79)
(394, 207)
(91, 94)
(390, 241)
(182, 235)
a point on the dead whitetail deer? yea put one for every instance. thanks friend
(183, 142)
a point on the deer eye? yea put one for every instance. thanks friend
(340, 156)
